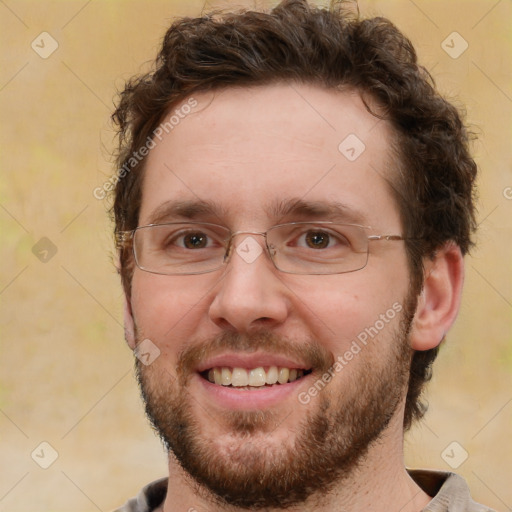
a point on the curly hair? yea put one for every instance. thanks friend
(434, 186)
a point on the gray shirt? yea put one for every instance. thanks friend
(449, 493)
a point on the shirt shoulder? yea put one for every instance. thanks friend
(149, 498)
(449, 491)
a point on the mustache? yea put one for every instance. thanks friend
(311, 353)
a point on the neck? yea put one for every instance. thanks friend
(381, 482)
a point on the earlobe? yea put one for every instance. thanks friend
(439, 301)
(129, 324)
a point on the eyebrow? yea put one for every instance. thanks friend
(289, 209)
(335, 211)
(190, 209)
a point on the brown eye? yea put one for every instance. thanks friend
(317, 239)
(195, 241)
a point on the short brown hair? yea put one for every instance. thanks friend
(297, 42)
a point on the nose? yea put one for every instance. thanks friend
(250, 296)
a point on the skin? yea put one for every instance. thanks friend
(244, 150)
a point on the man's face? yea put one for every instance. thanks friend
(260, 157)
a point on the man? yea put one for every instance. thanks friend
(292, 209)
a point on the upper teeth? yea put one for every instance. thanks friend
(256, 377)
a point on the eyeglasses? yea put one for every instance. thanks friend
(314, 248)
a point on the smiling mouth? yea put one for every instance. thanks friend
(253, 378)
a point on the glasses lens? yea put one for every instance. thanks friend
(318, 248)
(180, 248)
(296, 248)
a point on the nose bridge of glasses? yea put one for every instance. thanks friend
(237, 233)
(231, 245)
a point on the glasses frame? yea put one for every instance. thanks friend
(126, 238)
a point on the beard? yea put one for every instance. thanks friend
(245, 466)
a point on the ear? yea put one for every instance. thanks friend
(439, 301)
(129, 324)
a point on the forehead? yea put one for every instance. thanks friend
(243, 151)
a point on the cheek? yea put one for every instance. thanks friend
(167, 309)
(339, 309)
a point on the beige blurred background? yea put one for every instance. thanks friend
(65, 373)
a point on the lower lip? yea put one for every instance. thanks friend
(228, 397)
